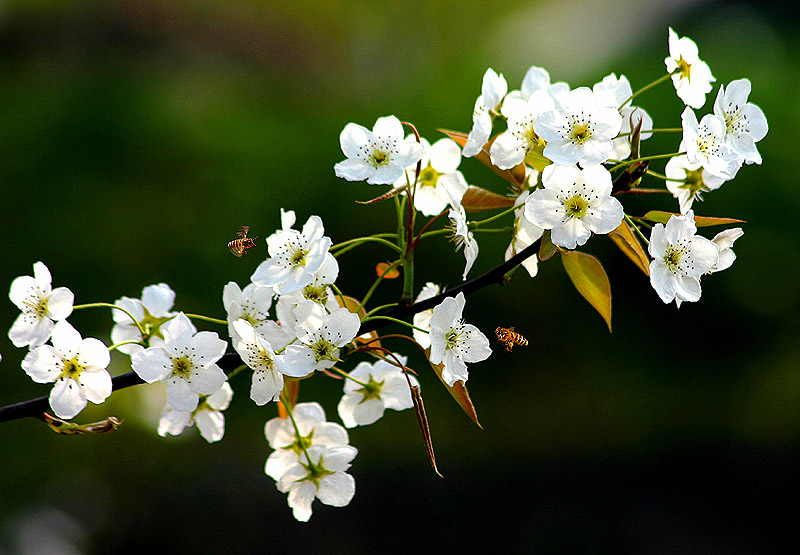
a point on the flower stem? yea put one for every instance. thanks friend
(395, 320)
(206, 319)
(647, 87)
(478, 223)
(126, 342)
(109, 305)
(347, 376)
(653, 157)
(636, 229)
(377, 282)
(353, 243)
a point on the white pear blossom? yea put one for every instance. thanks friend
(318, 291)
(525, 234)
(186, 362)
(613, 91)
(439, 180)
(151, 311)
(690, 75)
(493, 90)
(538, 79)
(463, 237)
(258, 355)
(422, 319)
(76, 365)
(320, 336)
(745, 123)
(379, 156)
(312, 429)
(512, 146)
(694, 180)
(373, 388)
(574, 204)
(253, 305)
(320, 473)
(295, 257)
(724, 241)
(41, 306)
(579, 131)
(680, 257)
(704, 145)
(455, 343)
(208, 416)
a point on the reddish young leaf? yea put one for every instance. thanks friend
(515, 176)
(387, 271)
(459, 393)
(477, 199)
(591, 281)
(422, 419)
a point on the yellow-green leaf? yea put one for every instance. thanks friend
(477, 199)
(546, 249)
(591, 281)
(459, 393)
(660, 217)
(627, 242)
(515, 176)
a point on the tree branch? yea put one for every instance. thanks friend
(35, 407)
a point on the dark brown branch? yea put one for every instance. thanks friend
(229, 361)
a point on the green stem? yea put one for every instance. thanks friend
(374, 310)
(347, 376)
(300, 441)
(662, 176)
(126, 342)
(478, 223)
(206, 319)
(636, 228)
(109, 305)
(391, 267)
(236, 370)
(647, 87)
(353, 243)
(395, 320)
(643, 158)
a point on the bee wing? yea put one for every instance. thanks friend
(243, 231)
(235, 252)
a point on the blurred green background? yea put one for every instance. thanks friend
(137, 135)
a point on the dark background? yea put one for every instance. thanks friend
(136, 136)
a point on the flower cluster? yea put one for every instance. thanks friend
(569, 155)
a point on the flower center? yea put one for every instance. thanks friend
(576, 206)
(298, 257)
(323, 350)
(37, 304)
(672, 258)
(317, 294)
(379, 158)
(580, 132)
(734, 121)
(456, 336)
(72, 369)
(181, 367)
(684, 68)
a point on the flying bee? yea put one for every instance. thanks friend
(507, 336)
(239, 246)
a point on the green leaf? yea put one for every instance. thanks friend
(515, 176)
(627, 242)
(591, 281)
(477, 199)
(660, 217)
(546, 249)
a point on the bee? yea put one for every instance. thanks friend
(507, 336)
(239, 246)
